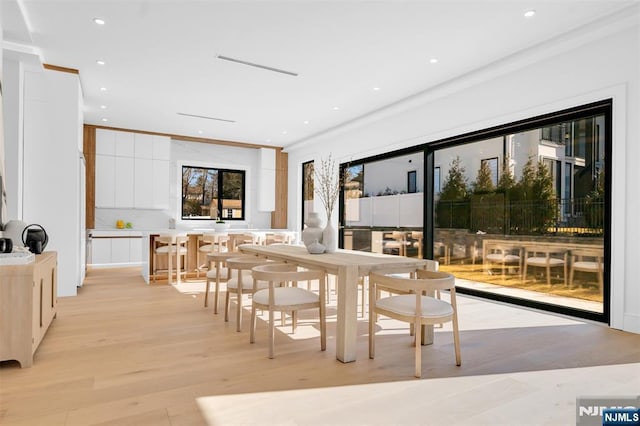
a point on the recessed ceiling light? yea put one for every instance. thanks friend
(433, 61)
(284, 132)
(105, 119)
(335, 108)
(375, 89)
(529, 13)
(305, 122)
(268, 140)
(103, 107)
(99, 21)
(103, 89)
(100, 62)
(199, 132)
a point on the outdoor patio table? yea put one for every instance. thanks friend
(347, 266)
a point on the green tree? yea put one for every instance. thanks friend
(455, 187)
(594, 204)
(484, 181)
(507, 181)
(532, 200)
(452, 210)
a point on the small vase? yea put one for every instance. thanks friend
(330, 237)
(313, 231)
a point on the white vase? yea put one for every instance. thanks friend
(330, 237)
(313, 231)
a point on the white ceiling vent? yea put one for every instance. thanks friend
(251, 64)
(206, 117)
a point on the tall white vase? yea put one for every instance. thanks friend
(330, 237)
(313, 231)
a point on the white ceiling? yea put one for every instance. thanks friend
(162, 56)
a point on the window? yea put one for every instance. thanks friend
(436, 180)
(412, 184)
(209, 193)
(492, 163)
(307, 190)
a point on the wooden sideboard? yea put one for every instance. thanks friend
(28, 300)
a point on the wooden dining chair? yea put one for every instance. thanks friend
(241, 282)
(218, 272)
(278, 297)
(417, 307)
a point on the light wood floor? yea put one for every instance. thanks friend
(123, 352)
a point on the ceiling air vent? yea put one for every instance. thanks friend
(251, 64)
(206, 118)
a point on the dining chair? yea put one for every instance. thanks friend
(172, 246)
(218, 272)
(587, 260)
(398, 242)
(417, 308)
(278, 297)
(541, 256)
(241, 282)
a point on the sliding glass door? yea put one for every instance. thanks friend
(518, 213)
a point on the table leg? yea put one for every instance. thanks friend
(347, 322)
(169, 259)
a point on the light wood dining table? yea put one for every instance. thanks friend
(347, 266)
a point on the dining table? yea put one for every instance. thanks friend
(347, 266)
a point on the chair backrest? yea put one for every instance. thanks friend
(594, 254)
(398, 235)
(216, 240)
(246, 262)
(285, 272)
(425, 281)
(180, 239)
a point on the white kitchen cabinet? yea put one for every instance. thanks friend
(116, 248)
(143, 145)
(100, 251)
(124, 182)
(160, 184)
(105, 142)
(161, 148)
(267, 180)
(120, 250)
(105, 181)
(143, 190)
(132, 170)
(124, 144)
(135, 250)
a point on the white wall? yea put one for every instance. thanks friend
(392, 173)
(586, 65)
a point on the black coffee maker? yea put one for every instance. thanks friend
(35, 237)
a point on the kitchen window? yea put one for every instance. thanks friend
(210, 193)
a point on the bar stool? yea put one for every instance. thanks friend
(210, 242)
(241, 282)
(170, 245)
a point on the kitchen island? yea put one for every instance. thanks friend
(237, 236)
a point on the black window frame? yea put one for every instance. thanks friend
(220, 184)
(603, 107)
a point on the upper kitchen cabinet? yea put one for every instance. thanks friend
(132, 170)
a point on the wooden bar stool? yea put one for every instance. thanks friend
(171, 245)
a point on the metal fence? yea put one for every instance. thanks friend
(495, 214)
